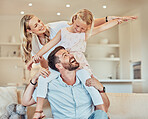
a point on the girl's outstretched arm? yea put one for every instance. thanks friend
(104, 27)
(100, 21)
(44, 49)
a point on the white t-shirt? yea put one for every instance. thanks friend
(53, 28)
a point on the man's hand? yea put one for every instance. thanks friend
(94, 82)
(43, 72)
(35, 59)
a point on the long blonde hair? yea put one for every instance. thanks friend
(26, 37)
(86, 16)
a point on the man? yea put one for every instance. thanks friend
(67, 96)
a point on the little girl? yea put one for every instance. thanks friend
(74, 39)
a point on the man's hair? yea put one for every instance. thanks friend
(52, 59)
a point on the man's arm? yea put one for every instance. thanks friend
(94, 82)
(27, 99)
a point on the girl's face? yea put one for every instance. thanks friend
(80, 26)
(37, 26)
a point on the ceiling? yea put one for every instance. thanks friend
(49, 8)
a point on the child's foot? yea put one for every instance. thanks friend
(38, 115)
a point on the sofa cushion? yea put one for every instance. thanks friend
(128, 105)
(8, 95)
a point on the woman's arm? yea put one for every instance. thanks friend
(44, 49)
(27, 98)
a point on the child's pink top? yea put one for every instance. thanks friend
(75, 43)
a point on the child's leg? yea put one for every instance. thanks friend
(39, 108)
(94, 93)
(42, 86)
(43, 83)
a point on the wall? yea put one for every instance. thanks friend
(134, 48)
(144, 30)
(101, 68)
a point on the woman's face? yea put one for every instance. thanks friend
(37, 26)
(79, 26)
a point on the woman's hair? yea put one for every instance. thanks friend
(84, 15)
(26, 37)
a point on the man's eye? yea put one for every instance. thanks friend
(77, 25)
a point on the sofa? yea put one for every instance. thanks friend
(122, 105)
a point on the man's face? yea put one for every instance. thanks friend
(67, 60)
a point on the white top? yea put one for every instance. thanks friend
(75, 43)
(53, 28)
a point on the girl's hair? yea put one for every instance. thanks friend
(26, 38)
(84, 15)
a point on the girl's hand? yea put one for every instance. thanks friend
(126, 18)
(94, 82)
(120, 21)
(36, 58)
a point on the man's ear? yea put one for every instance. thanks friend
(59, 66)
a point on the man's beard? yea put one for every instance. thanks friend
(72, 65)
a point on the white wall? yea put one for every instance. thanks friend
(144, 30)
(136, 47)
(130, 40)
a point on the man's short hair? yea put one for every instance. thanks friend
(52, 59)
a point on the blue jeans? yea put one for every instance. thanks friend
(98, 114)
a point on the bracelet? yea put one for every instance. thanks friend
(106, 18)
(103, 91)
(33, 83)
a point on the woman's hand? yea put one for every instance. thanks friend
(94, 82)
(29, 65)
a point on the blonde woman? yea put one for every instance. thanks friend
(74, 39)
